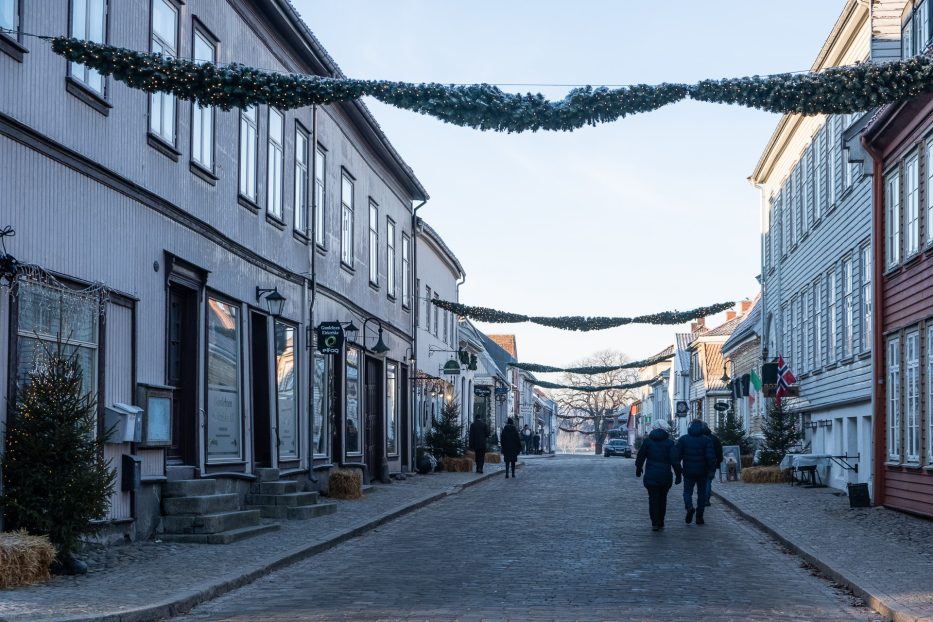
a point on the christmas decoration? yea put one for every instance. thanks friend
(55, 480)
(591, 389)
(446, 438)
(780, 434)
(590, 369)
(731, 431)
(577, 322)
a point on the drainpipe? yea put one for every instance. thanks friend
(413, 280)
(312, 246)
(464, 401)
(763, 352)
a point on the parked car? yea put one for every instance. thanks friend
(617, 447)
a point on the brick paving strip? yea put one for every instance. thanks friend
(153, 580)
(884, 557)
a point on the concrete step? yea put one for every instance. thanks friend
(283, 487)
(207, 504)
(224, 537)
(290, 499)
(267, 475)
(304, 512)
(176, 471)
(271, 511)
(189, 488)
(210, 523)
(368, 488)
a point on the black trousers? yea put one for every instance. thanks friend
(480, 460)
(508, 464)
(657, 504)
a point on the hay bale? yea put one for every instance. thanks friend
(766, 475)
(24, 559)
(345, 484)
(493, 458)
(458, 465)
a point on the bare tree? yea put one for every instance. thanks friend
(589, 412)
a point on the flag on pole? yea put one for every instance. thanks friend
(756, 380)
(784, 380)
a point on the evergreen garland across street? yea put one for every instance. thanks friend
(590, 388)
(836, 90)
(591, 369)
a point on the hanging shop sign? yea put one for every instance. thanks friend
(682, 409)
(482, 391)
(451, 368)
(721, 406)
(330, 338)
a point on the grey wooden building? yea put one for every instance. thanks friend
(162, 239)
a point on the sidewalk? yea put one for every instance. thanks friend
(885, 557)
(152, 580)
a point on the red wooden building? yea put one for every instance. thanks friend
(899, 139)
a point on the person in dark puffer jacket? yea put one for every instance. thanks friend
(717, 450)
(657, 456)
(697, 458)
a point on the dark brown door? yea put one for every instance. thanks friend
(404, 415)
(375, 418)
(182, 358)
(259, 373)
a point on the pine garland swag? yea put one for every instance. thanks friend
(591, 369)
(591, 388)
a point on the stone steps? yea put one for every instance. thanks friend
(193, 511)
(290, 499)
(299, 512)
(275, 498)
(210, 523)
(201, 504)
(224, 537)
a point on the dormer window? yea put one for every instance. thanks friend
(916, 31)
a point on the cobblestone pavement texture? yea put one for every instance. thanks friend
(143, 574)
(887, 553)
(568, 539)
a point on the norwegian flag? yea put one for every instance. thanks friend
(784, 380)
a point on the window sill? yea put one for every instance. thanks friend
(86, 95)
(347, 267)
(895, 465)
(374, 286)
(301, 237)
(391, 298)
(163, 147)
(908, 262)
(275, 222)
(321, 250)
(203, 173)
(831, 366)
(326, 465)
(12, 48)
(864, 355)
(247, 203)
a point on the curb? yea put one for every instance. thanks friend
(883, 603)
(185, 601)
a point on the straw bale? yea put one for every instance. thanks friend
(766, 475)
(24, 559)
(491, 456)
(345, 484)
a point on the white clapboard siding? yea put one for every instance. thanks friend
(118, 388)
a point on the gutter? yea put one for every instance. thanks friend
(413, 290)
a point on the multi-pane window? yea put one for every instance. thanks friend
(437, 311)
(929, 402)
(346, 220)
(390, 257)
(165, 42)
(427, 308)
(922, 26)
(352, 407)
(866, 298)
(835, 158)
(787, 217)
(286, 385)
(275, 163)
(848, 315)
(929, 188)
(911, 206)
(795, 333)
(817, 324)
(202, 118)
(892, 224)
(807, 188)
(320, 404)
(795, 207)
(831, 317)
(392, 408)
(88, 22)
(907, 39)
(787, 334)
(249, 145)
(893, 397)
(301, 179)
(912, 395)
(9, 16)
(805, 359)
(319, 209)
(446, 328)
(373, 243)
(224, 421)
(406, 271)
(819, 174)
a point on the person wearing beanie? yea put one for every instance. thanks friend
(697, 460)
(657, 457)
(511, 444)
(717, 449)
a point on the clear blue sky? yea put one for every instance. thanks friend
(650, 213)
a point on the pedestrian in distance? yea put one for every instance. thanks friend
(479, 431)
(511, 445)
(526, 439)
(717, 449)
(536, 443)
(697, 458)
(657, 458)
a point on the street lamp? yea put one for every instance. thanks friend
(380, 348)
(275, 301)
(351, 331)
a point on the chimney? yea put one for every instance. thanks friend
(698, 325)
(730, 315)
(745, 305)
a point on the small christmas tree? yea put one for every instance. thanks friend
(780, 433)
(672, 429)
(446, 436)
(55, 481)
(732, 432)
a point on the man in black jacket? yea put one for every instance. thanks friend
(478, 434)
(697, 459)
(717, 450)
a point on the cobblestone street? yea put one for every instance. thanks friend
(569, 539)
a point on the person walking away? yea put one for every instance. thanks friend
(657, 457)
(536, 442)
(697, 458)
(511, 445)
(717, 449)
(479, 431)
(526, 440)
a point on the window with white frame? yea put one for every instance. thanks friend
(164, 41)
(346, 221)
(929, 402)
(805, 336)
(894, 399)
(9, 16)
(249, 145)
(202, 118)
(928, 163)
(911, 206)
(848, 312)
(275, 163)
(437, 311)
(819, 174)
(352, 405)
(795, 332)
(817, 324)
(831, 316)
(907, 39)
(446, 328)
(373, 257)
(795, 207)
(427, 308)
(912, 396)
(786, 314)
(319, 193)
(833, 135)
(88, 23)
(922, 25)
(892, 218)
(807, 188)
(406, 271)
(788, 217)
(300, 200)
(866, 298)
(390, 257)
(321, 404)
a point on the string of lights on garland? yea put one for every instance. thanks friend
(578, 322)
(591, 369)
(590, 388)
(836, 90)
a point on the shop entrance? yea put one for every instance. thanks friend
(375, 418)
(182, 363)
(259, 374)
